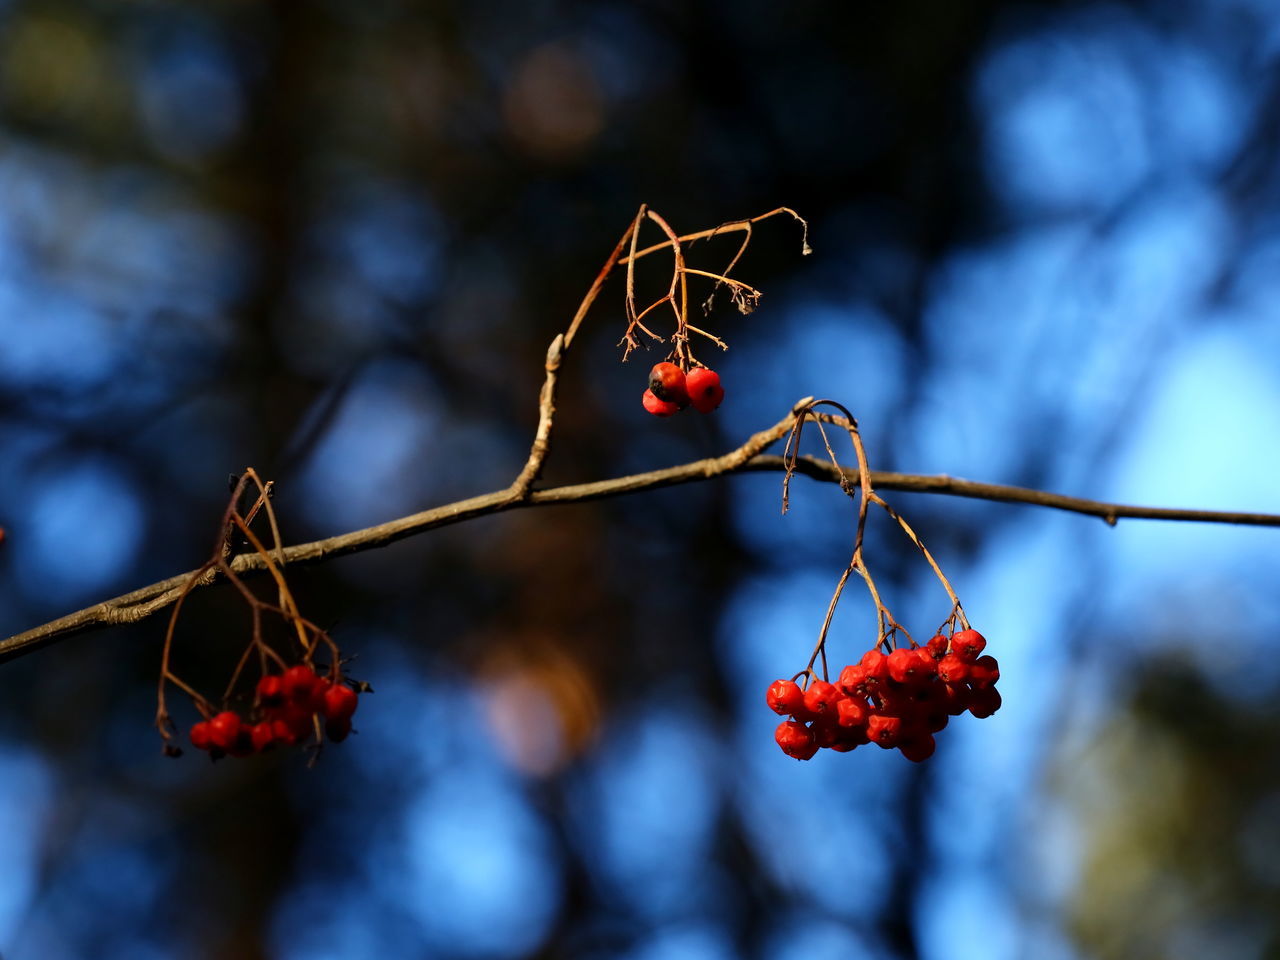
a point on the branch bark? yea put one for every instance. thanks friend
(748, 458)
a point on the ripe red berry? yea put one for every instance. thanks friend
(785, 698)
(337, 730)
(825, 733)
(884, 730)
(202, 735)
(951, 669)
(263, 735)
(875, 665)
(984, 672)
(224, 729)
(937, 646)
(667, 383)
(821, 698)
(705, 392)
(659, 408)
(340, 702)
(271, 691)
(918, 747)
(851, 712)
(851, 680)
(983, 703)
(297, 683)
(967, 644)
(795, 739)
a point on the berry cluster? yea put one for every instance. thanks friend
(671, 390)
(288, 710)
(899, 699)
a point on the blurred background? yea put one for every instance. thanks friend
(332, 240)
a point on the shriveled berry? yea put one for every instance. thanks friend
(659, 408)
(785, 698)
(340, 702)
(705, 392)
(795, 739)
(821, 698)
(224, 729)
(202, 735)
(967, 644)
(667, 383)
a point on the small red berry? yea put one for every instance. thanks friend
(983, 703)
(785, 698)
(851, 712)
(967, 644)
(875, 665)
(297, 683)
(271, 691)
(937, 647)
(851, 680)
(951, 669)
(202, 735)
(337, 730)
(705, 392)
(918, 747)
(263, 735)
(984, 672)
(340, 702)
(884, 730)
(224, 729)
(821, 698)
(667, 383)
(659, 408)
(825, 733)
(795, 739)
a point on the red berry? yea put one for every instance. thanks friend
(851, 680)
(875, 664)
(825, 733)
(667, 383)
(795, 739)
(263, 735)
(937, 647)
(340, 702)
(967, 644)
(918, 747)
(984, 672)
(224, 729)
(202, 735)
(705, 392)
(337, 730)
(983, 703)
(851, 712)
(271, 691)
(785, 698)
(297, 683)
(821, 698)
(951, 669)
(659, 408)
(884, 730)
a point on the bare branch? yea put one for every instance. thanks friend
(143, 602)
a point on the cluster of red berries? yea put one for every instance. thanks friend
(671, 390)
(287, 711)
(899, 699)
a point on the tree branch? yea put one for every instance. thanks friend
(141, 603)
